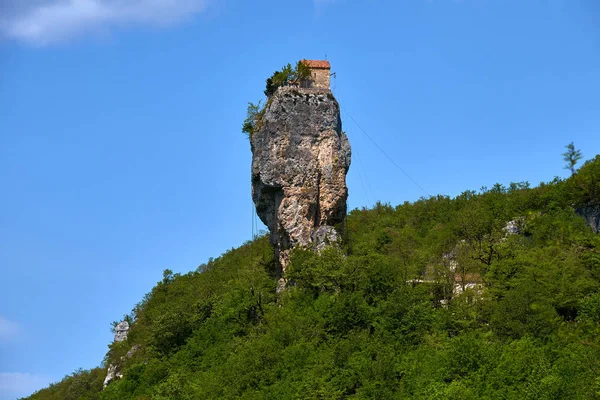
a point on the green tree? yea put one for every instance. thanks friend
(253, 115)
(571, 157)
(302, 71)
(583, 188)
(288, 75)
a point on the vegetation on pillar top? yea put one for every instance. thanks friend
(287, 76)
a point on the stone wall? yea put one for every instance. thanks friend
(319, 79)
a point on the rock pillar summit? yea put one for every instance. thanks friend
(300, 158)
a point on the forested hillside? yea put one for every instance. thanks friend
(489, 295)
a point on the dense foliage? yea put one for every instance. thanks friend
(80, 385)
(389, 315)
(287, 76)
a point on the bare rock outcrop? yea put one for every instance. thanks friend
(591, 214)
(121, 330)
(300, 158)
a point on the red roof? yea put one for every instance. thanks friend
(317, 63)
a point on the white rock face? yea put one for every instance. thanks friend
(111, 375)
(515, 226)
(511, 228)
(121, 331)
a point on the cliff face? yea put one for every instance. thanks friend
(300, 158)
(591, 215)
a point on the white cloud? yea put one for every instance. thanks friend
(16, 384)
(42, 22)
(8, 329)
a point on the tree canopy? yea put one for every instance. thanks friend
(382, 317)
(288, 75)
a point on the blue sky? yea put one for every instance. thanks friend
(121, 152)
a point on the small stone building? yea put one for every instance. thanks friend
(319, 72)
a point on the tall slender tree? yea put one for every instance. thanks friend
(571, 157)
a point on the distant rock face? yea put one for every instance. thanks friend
(121, 331)
(515, 226)
(592, 216)
(300, 158)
